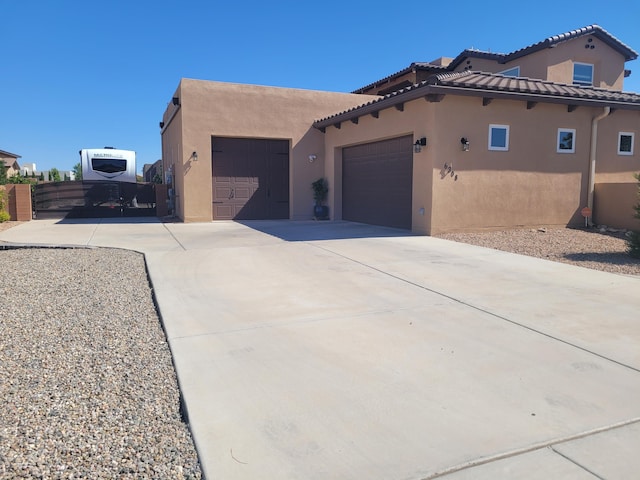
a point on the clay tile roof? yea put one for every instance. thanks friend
(497, 82)
(596, 30)
(414, 66)
(627, 52)
(492, 85)
(473, 53)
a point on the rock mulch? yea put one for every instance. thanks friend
(87, 381)
(596, 248)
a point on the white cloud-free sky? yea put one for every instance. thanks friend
(87, 74)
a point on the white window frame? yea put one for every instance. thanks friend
(573, 140)
(581, 82)
(506, 140)
(626, 134)
(506, 73)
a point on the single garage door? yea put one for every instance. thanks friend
(377, 182)
(250, 178)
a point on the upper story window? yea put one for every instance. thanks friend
(583, 74)
(511, 72)
(566, 140)
(625, 143)
(499, 137)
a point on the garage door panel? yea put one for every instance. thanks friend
(377, 182)
(248, 180)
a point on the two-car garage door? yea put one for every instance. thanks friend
(377, 182)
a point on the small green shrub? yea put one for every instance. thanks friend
(320, 190)
(633, 238)
(4, 215)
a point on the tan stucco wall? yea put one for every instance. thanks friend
(528, 185)
(611, 167)
(251, 111)
(556, 64)
(614, 205)
(173, 156)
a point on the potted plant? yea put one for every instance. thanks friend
(320, 190)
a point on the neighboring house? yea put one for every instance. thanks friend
(28, 169)
(484, 140)
(10, 161)
(150, 170)
(65, 175)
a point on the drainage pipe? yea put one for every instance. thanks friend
(592, 158)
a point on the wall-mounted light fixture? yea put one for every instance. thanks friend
(312, 158)
(194, 155)
(465, 144)
(175, 101)
(161, 124)
(421, 142)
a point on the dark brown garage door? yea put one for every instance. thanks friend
(377, 182)
(250, 178)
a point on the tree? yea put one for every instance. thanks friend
(18, 178)
(54, 175)
(633, 238)
(3, 173)
(77, 169)
(41, 177)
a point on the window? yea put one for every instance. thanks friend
(109, 165)
(566, 140)
(583, 74)
(625, 143)
(512, 72)
(499, 137)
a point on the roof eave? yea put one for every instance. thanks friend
(9, 154)
(422, 91)
(532, 97)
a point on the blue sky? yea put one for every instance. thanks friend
(86, 74)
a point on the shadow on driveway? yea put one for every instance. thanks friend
(291, 231)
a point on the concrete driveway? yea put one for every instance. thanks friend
(321, 350)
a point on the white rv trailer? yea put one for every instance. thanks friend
(108, 164)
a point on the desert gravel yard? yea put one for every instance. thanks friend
(587, 248)
(87, 383)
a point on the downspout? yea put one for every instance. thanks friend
(592, 158)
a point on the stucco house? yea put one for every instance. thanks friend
(10, 161)
(482, 140)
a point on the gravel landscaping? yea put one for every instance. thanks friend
(87, 381)
(590, 248)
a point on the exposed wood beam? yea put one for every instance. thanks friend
(531, 104)
(400, 107)
(571, 108)
(338, 125)
(355, 120)
(375, 114)
(486, 101)
(323, 130)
